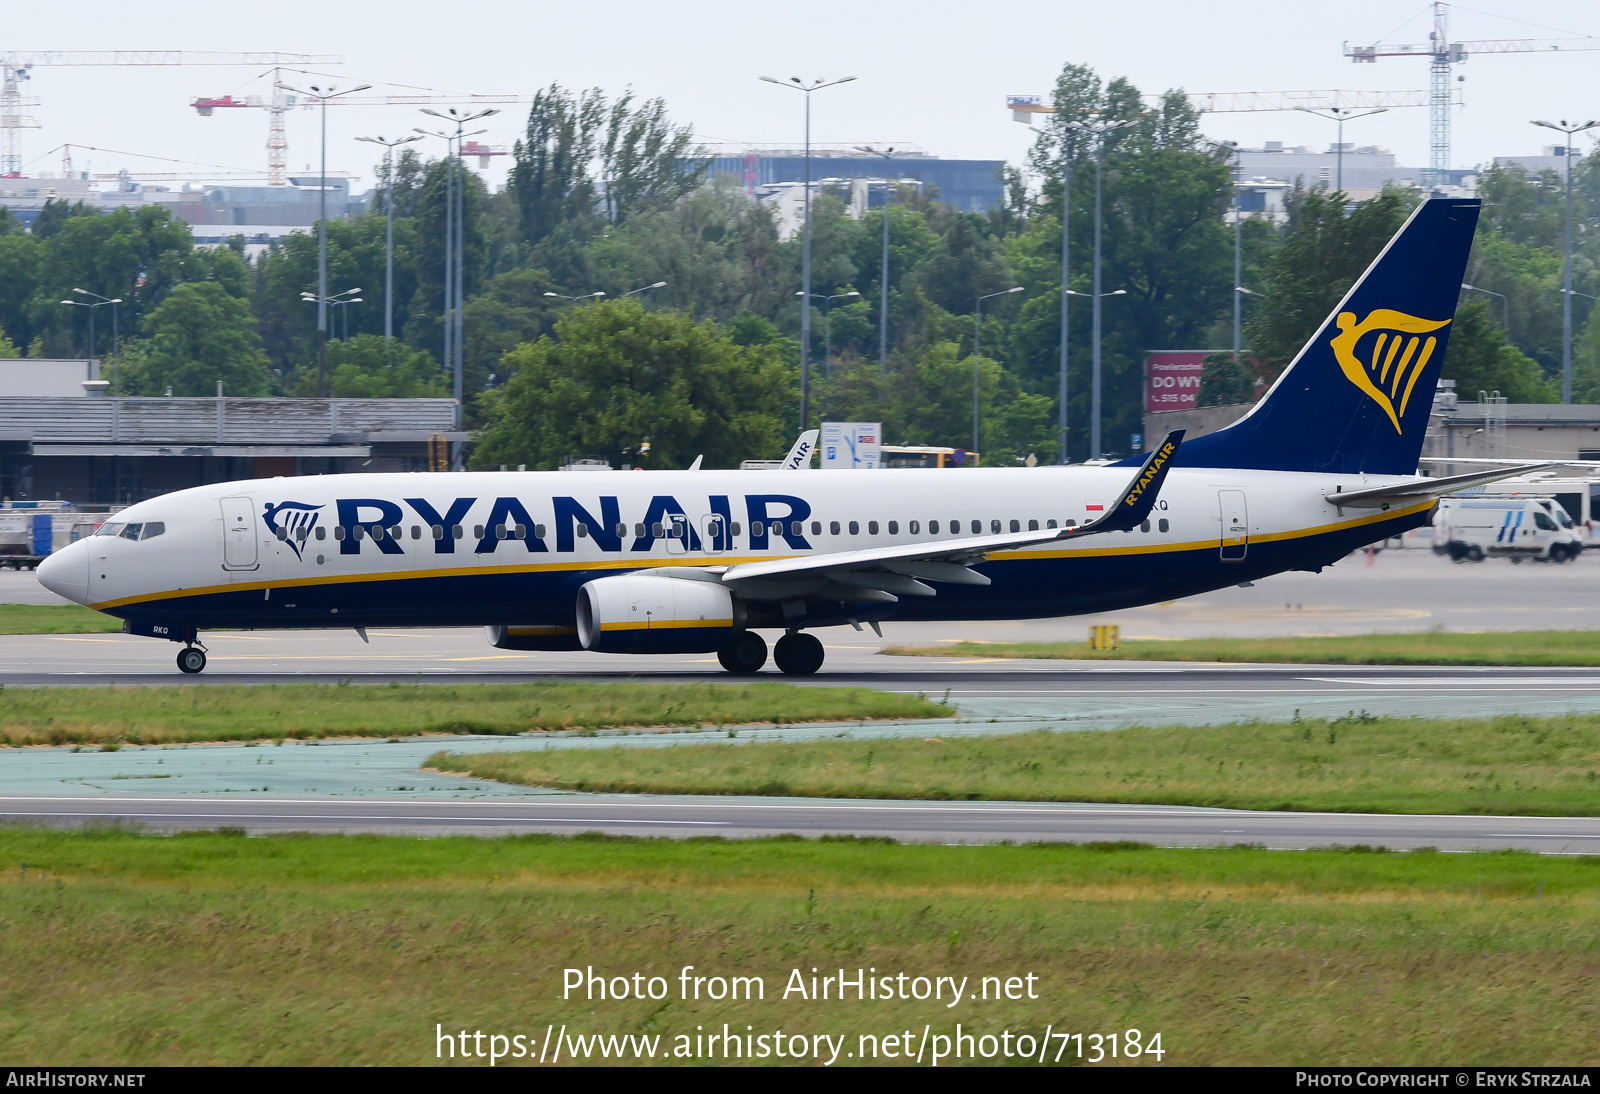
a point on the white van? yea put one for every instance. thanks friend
(1469, 530)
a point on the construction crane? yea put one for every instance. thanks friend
(1023, 107)
(282, 100)
(1442, 54)
(15, 71)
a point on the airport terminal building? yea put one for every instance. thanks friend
(94, 450)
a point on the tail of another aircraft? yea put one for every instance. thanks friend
(1357, 397)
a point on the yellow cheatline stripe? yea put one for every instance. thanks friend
(726, 560)
(666, 625)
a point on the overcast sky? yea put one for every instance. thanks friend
(932, 74)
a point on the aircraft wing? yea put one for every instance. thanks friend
(1379, 497)
(886, 573)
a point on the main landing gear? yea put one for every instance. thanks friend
(798, 654)
(191, 659)
(745, 654)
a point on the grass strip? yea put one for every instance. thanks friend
(111, 716)
(1358, 763)
(55, 619)
(1580, 648)
(124, 949)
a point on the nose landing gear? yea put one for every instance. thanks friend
(191, 659)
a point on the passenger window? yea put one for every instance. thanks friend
(477, 531)
(397, 531)
(833, 527)
(438, 531)
(855, 528)
(416, 531)
(358, 531)
(457, 531)
(582, 530)
(872, 527)
(915, 527)
(338, 532)
(322, 533)
(281, 532)
(1144, 526)
(622, 531)
(796, 528)
(522, 531)
(638, 530)
(977, 527)
(736, 527)
(1033, 526)
(816, 527)
(894, 528)
(1162, 524)
(1069, 523)
(1016, 526)
(538, 531)
(299, 533)
(955, 527)
(131, 531)
(933, 528)
(1049, 523)
(152, 529)
(656, 530)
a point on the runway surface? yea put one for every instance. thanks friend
(376, 785)
(940, 822)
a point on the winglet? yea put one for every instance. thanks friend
(1136, 501)
(799, 457)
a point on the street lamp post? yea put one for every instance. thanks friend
(1238, 218)
(640, 289)
(1341, 115)
(1099, 132)
(1505, 303)
(798, 84)
(585, 296)
(322, 95)
(116, 348)
(1566, 269)
(977, 356)
(336, 300)
(388, 245)
(827, 326)
(1066, 291)
(883, 272)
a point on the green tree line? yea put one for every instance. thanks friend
(609, 195)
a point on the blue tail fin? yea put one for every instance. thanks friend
(1356, 398)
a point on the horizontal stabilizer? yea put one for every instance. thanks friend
(1398, 493)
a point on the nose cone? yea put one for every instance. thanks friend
(66, 572)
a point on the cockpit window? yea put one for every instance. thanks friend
(109, 529)
(152, 529)
(131, 531)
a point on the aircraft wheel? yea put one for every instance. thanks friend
(191, 659)
(745, 654)
(798, 654)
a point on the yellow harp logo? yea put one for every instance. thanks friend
(1394, 358)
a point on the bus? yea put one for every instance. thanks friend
(922, 455)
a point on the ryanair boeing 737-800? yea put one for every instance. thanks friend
(696, 561)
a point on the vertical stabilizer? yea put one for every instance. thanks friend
(1356, 398)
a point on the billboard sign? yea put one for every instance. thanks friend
(847, 445)
(1172, 379)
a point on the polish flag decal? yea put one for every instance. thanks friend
(1094, 507)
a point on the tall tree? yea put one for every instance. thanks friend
(617, 375)
(198, 335)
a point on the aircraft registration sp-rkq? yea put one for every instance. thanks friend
(695, 561)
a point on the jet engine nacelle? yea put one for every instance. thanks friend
(645, 613)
